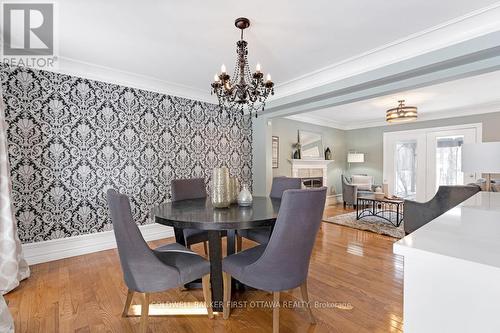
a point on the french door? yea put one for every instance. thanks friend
(444, 158)
(417, 162)
(404, 162)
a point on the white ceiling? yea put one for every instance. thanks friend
(472, 95)
(183, 43)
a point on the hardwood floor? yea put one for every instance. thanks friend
(354, 276)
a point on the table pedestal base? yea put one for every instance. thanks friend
(215, 254)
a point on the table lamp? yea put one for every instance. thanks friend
(483, 158)
(353, 157)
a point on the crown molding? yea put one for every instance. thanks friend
(468, 110)
(467, 27)
(317, 120)
(73, 67)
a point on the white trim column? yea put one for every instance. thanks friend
(262, 172)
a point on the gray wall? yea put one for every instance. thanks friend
(370, 140)
(366, 140)
(286, 130)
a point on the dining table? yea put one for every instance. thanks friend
(202, 215)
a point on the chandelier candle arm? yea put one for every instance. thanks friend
(245, 90)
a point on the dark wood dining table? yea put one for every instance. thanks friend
(200, 214)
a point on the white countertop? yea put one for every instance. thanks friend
(470, 231)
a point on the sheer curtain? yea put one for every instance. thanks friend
(13, 267)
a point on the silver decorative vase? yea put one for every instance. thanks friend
(234, 186)
(221, 191)
(245, 197)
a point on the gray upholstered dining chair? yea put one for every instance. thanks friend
(417, 214)
(281, 184)
(184, 189)
(261, 235)
(283, 263)
(147, 271)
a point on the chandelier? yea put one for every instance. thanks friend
(401, 113)
(244, 90)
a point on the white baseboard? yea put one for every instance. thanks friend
(337, 197)
(55, 249)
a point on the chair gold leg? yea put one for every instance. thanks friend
(239, 243)
(130, 295)
(144, 313)
(276, 312)
(226, 304)
(205, 248)
(207, 294)
(305, 298)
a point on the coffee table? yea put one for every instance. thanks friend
(390, 210)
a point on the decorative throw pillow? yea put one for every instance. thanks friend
(363, 182)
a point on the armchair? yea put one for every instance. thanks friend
(350, 191)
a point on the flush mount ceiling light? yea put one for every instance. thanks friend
(401, 113)
(245, 90)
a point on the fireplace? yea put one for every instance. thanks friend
(311, 182)
(314, 173)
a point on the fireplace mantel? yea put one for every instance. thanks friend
(310, 163)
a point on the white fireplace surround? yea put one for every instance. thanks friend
(302, 168)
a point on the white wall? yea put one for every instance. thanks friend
(261, 156)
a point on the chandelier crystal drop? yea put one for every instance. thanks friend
(244, 91)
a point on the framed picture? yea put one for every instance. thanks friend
(276, 151)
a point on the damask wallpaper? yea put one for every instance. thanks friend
(70, 139)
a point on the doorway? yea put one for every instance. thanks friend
(417, 162)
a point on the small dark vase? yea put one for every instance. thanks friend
(328, 154)
(296, 154)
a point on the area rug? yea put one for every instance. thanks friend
(369, 223)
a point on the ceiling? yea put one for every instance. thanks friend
(472, 95)
(181, 44)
